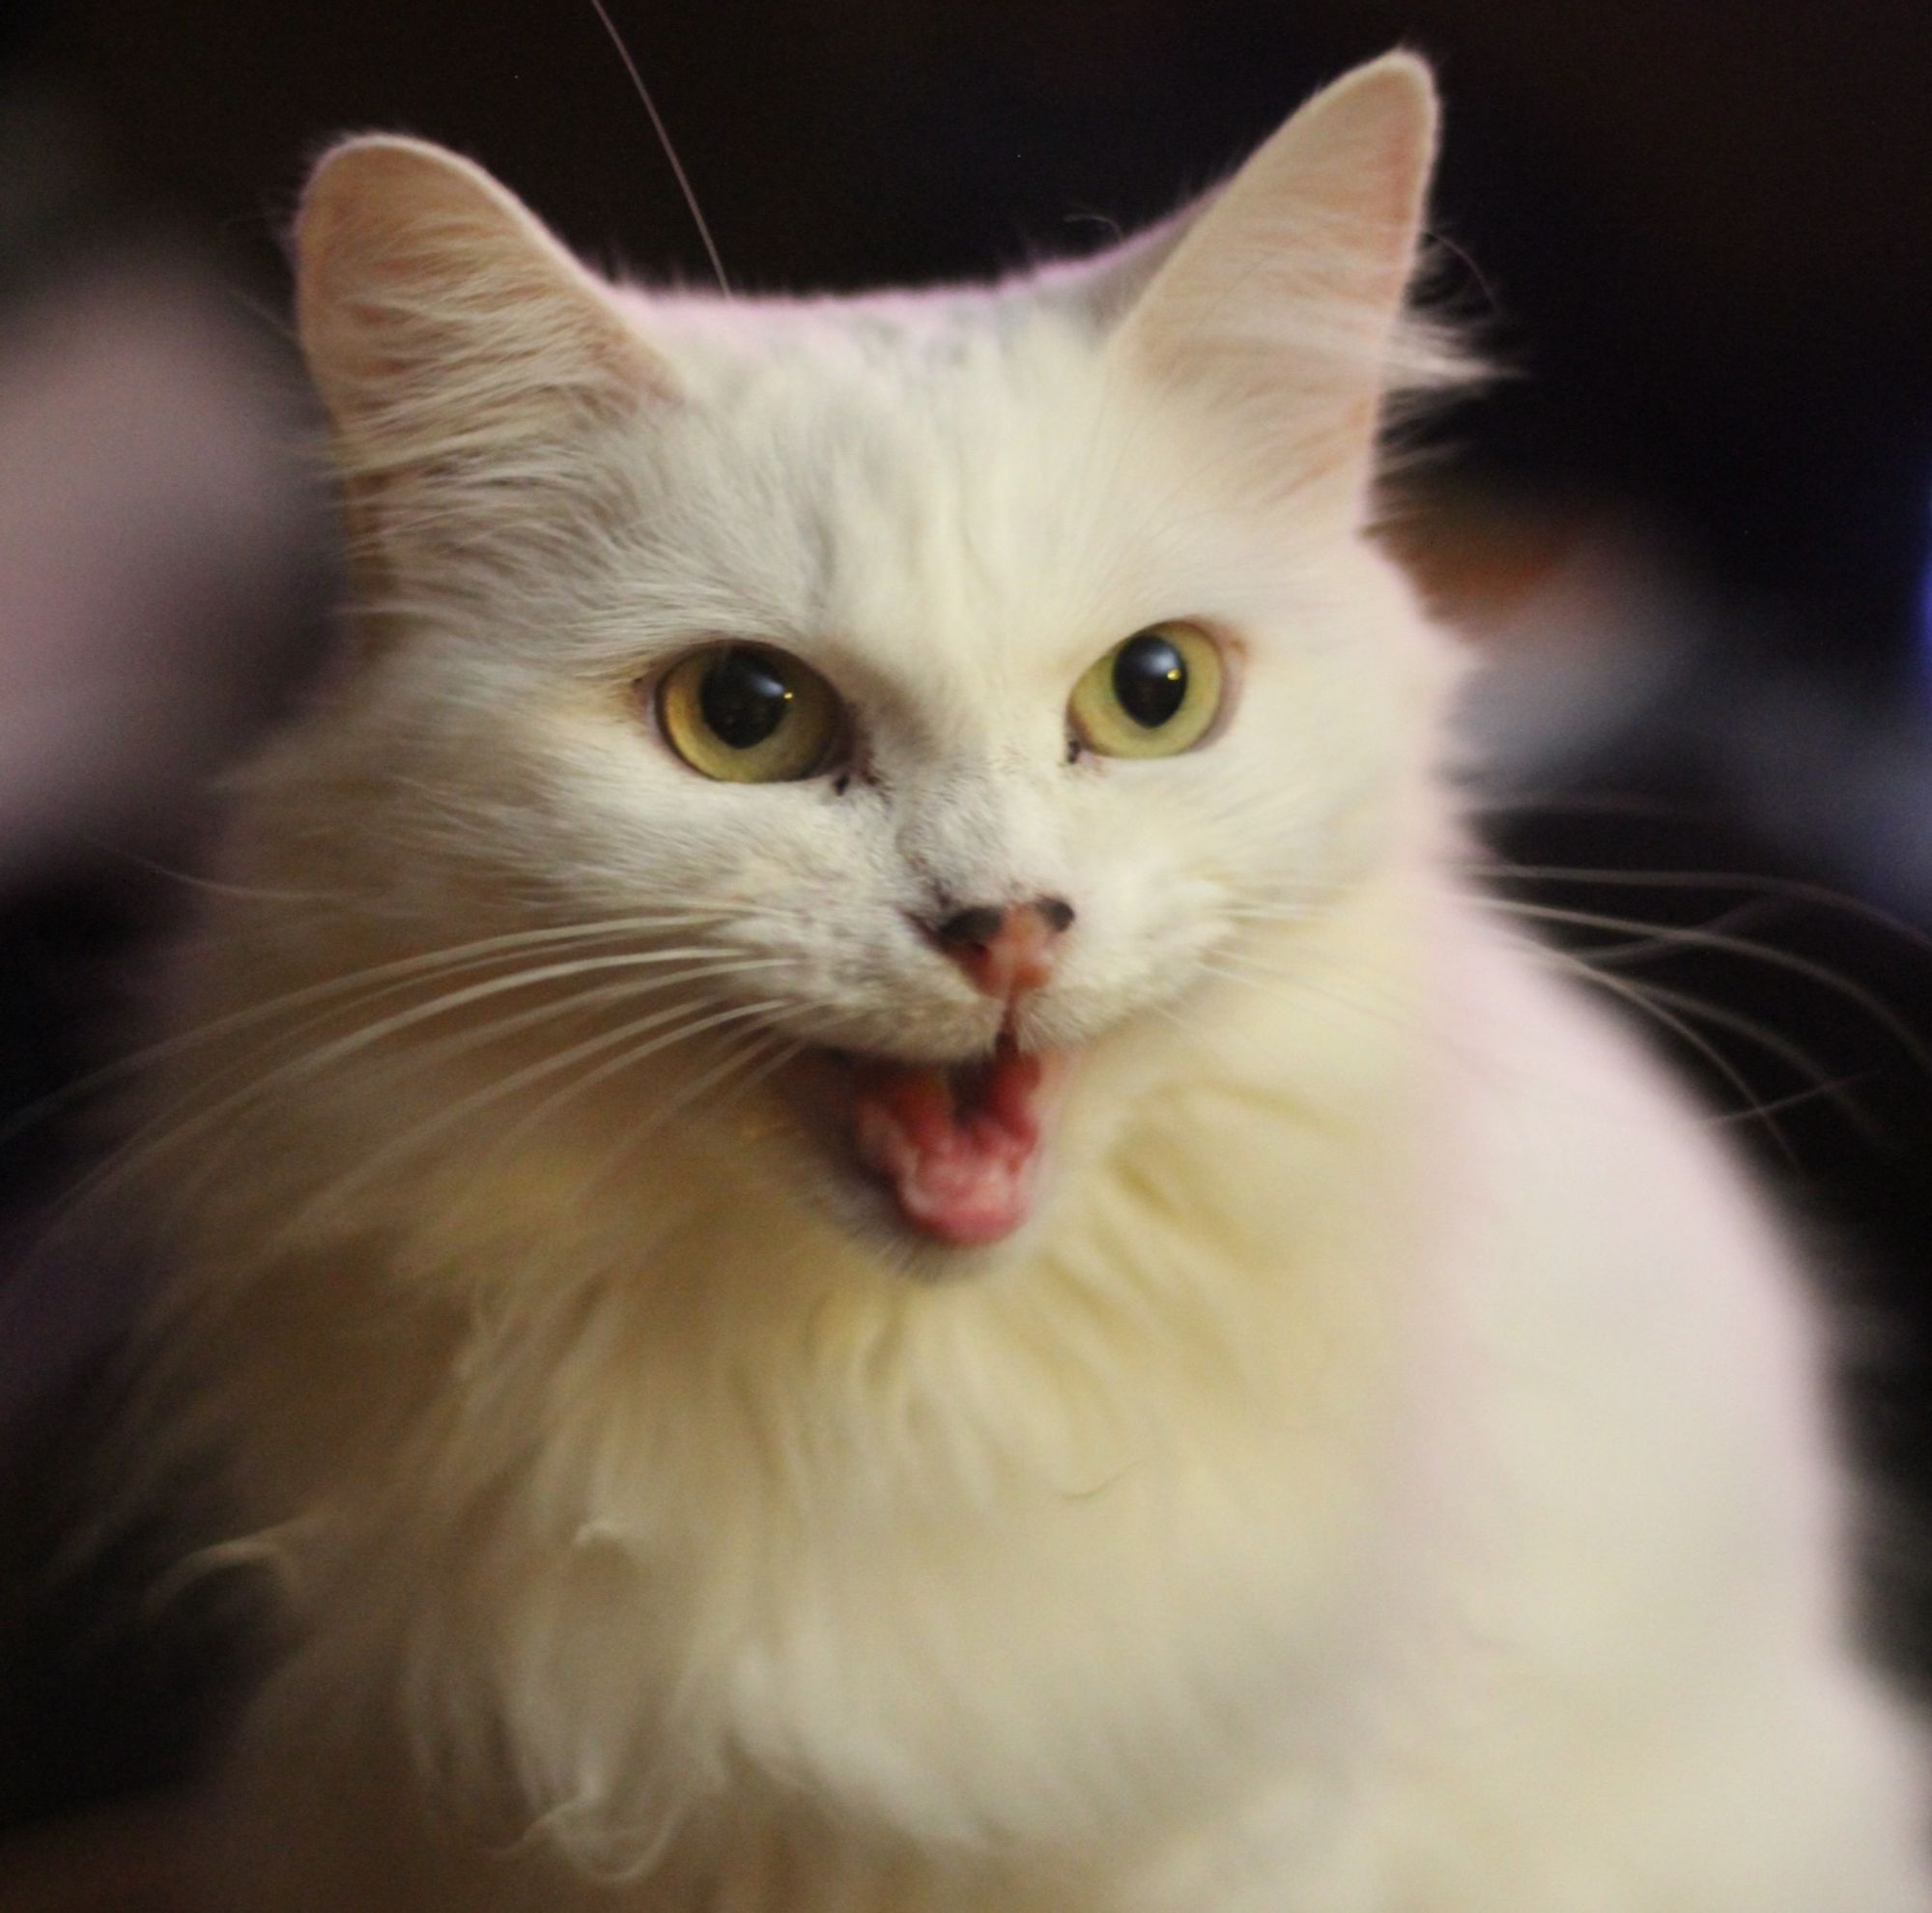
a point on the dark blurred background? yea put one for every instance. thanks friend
(1692, 526)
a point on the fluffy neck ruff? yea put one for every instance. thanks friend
(683, 1497)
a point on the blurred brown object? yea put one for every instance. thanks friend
(125, 1860)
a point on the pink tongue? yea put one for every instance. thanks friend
(962, 1165)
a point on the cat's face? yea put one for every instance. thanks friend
(965, 677)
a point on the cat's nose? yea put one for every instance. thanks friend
(1006, 952)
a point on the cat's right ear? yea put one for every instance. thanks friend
(1277, 304)
(442, 321)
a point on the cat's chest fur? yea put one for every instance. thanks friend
(1265, 1613)
(989, 1558)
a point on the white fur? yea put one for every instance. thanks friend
(1387, 1476)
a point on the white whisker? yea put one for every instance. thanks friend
(642, 1132)
(369, 1170)
(1696, 937)
(137, 1155)
(448, 960)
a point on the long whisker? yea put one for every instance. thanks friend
(1793, 890)
(1241, 967)
(1691, 937)
(115, 1171)
(603, 1072)
(1653, 1001)
(1687, 1033)
(642, 1132)
(1663, 940)
(726, 963)
(1670, 1010)
(759, 1044)
(207, 885)
(664, 140)
(1833, 1088)
(1584, 804)
(1687, 936)
(545, 1067)
(449, 960)
(1794, 1056)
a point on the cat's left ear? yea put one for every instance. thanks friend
(440, 318)
(1279, 300)
(460, 352)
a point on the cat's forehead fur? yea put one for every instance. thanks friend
(914, 481)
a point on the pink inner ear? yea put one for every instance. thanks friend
(1280, 302)
(425, 288)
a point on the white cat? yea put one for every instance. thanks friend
(863, 1217)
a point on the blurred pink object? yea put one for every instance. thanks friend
(155, 533)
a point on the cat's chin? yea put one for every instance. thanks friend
(951, 1152)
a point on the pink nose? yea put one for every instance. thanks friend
(1006, 952)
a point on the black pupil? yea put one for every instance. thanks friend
(1150, 679)
(743, 698)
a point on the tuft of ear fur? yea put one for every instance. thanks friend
(439, 317)
(458, 349)
(1280, 300)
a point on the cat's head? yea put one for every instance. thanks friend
(958, 680)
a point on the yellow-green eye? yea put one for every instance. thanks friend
(1153, 696)
(746, 714)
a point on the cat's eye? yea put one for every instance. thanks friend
(1154, 695)
(748, 714)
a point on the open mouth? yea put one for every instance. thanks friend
(956, 1146)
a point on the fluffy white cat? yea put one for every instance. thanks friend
(864, 1220)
